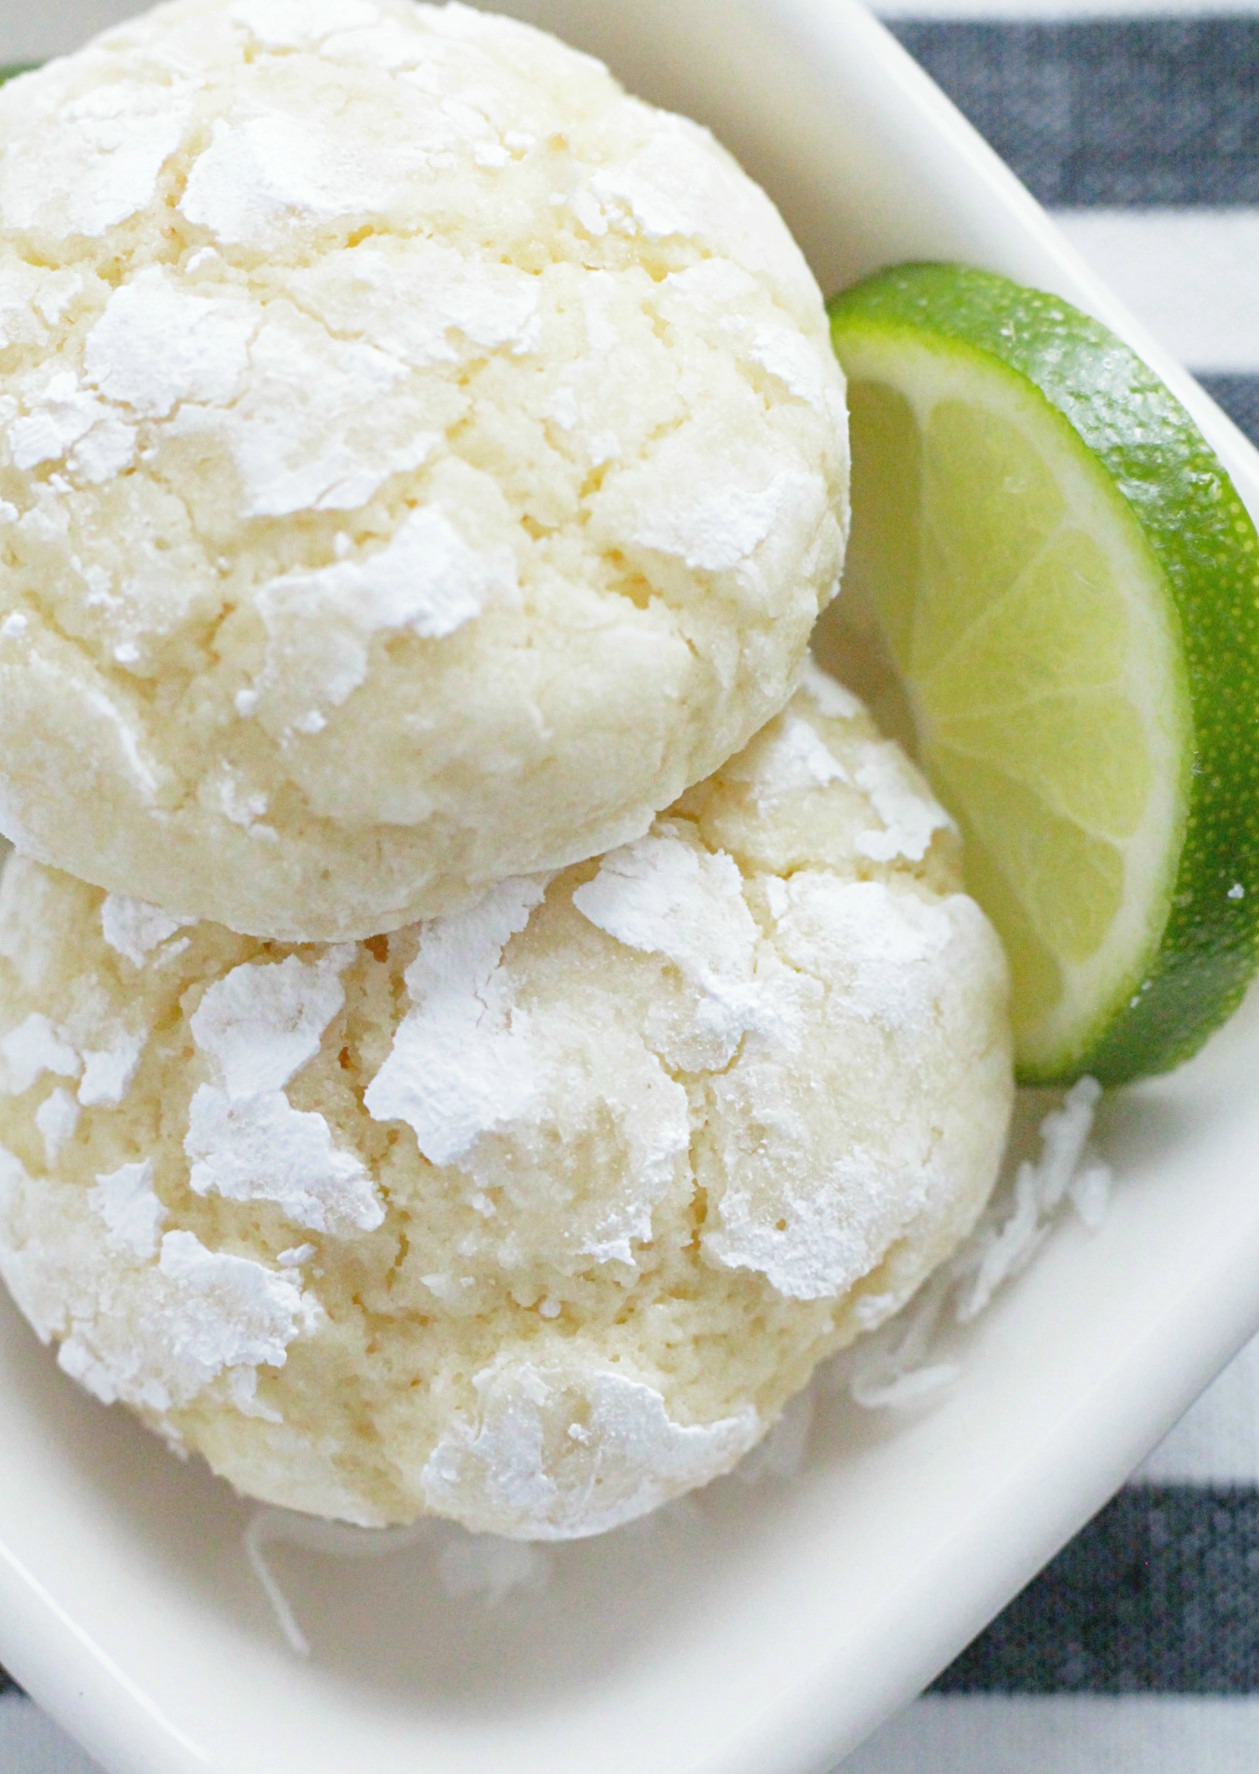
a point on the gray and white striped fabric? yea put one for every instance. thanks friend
(1137, 1652)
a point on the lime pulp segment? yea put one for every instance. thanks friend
(1068, 587)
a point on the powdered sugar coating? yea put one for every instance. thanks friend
(263, 1023)
(362, 357)
(179, 1316)
(557, 1454)
(534, 1215)
(461, 1063)
(126, 1202)
(134, 929)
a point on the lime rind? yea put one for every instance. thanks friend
(1192, 911)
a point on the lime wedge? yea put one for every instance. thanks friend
(1066, 585)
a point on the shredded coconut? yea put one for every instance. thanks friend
(780, 1456)
(282, 1527)
(889, 1369)
(487, 1568)
(469, 1567)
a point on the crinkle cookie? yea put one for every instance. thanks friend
(419, 461)
(535, 1215)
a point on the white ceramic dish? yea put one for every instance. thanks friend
(771, 1632)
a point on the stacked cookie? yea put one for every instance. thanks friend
(476, 1029)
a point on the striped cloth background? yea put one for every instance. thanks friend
(1137, 1651)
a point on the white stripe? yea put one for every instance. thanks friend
(1065, 1735)
(1217, 1441)
(29, 1744)
(1191, 275)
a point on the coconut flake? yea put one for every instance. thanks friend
(488, 1569)
(1002, 1250)
(781, 1455)
(892, 1368)
(335, 1539)
(1090, 1192)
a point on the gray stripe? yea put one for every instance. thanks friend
(1239, 396)
(7, 1683)
(1156, 1596)
(1108, 111)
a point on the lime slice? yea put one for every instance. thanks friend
(1067, 586)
